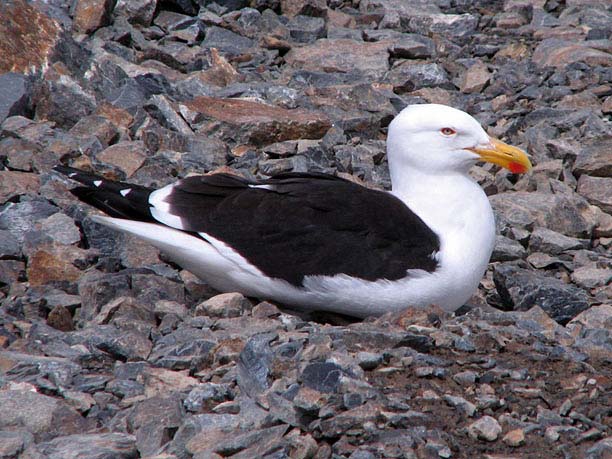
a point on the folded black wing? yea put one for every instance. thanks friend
(295, 225)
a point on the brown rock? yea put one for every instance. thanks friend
(97, 126)
(118, 116)
(558, 53)
(14, 183)
(341, 55)
(475, 78)
(336, 18)
(90, 15)
(54, 263)
(23, 47)
(127, 156)
(253, 122)
(60, 319)
(514, 438)
(224, 305)
(221, 72)
(606, 107)
(515, 51)
(159, 381)
(597, 190)
(292, 8)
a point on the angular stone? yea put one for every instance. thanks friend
(595, 159)
(475, 78)
(61, 228)
(97, 126)
(154, 420)
(227, 42)
(224, 305)
(507, 249)
(514, 438)
(486, 428)
(23, 48)
(54, 263)
(449, 25)
(254, 364)
(322, 376)
(566, 214)
(44, 417)
(590, 277)
(60, 319)
(90, 446)
(12, 444)
(597, 190)
(19, 219)
(9, 245)
(14, 94)
(306, 29)
(13, 184)
(341, 55)
(521, 289)
(136, 11)
(127, 156)
(551, 242)
(90, 15)
(559, 53)
(255, 123)
(409, 76)
(63, 101)
(292, 8)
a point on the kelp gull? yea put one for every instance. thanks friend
(319, 242)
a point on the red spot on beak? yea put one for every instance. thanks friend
(517, 168)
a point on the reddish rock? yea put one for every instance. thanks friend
(98, 126)
(127, 156)
(254, 122)
(54, 263)
(221, 72)
(23, 47)
(558, 53)
(14, 183)
(341, 55)
(90, 15)
(60, 319)
(292, 8)
(475, 78)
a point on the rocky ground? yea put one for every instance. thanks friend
(107, 351)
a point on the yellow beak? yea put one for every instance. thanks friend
(504, 155)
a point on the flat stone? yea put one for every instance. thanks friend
(127, 156)
(551, 242)
(341, 55)
(13, 184)
(97, 126)
(591, 277)
(475, 78)
(61, 228)
(521, 289)
(24, 48)
(90, 446)
(306, 29)
(597, 190)
(322, 376)
(44, 417)
(224, 305)
(90, 15)
(60, 318)
(566, 214)
(409, 76)
(292, 8)
(54, 263)
(595, 159)
(507, 249)
(486, 428)
(256, 123)
(559, 53)
(9, 245)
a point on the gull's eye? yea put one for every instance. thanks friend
(448, 131)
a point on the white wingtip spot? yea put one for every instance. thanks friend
(263, 187)
(72, 174)
(125, 192)
(97, 182)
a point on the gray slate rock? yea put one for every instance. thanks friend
(87, 446)
(14, 94)
(521, 289)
